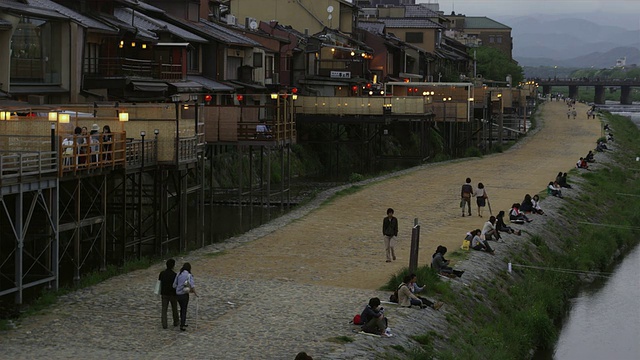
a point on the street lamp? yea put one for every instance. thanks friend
(142, 135)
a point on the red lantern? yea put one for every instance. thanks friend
(354, 88)
(240, 97)
(368, 85)
(410, 90)
(415, 90)
(294, 90)
(208, 98)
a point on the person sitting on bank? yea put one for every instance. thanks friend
(554, 189)
(489, 231)
(563, 182)
(373, 318)
(407, 298)
(535, 201)
(516, 216)
(590, 157)
(526, 206)
(501, 226)
(582, 164)
(478, 244)
(441, 265)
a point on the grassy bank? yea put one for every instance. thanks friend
(512, 314)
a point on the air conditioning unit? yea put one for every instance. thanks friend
(268, 81)
(231, 19)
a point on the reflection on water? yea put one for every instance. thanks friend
(604, 321)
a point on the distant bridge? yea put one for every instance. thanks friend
(600, 86)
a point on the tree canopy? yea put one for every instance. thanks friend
(495, 65)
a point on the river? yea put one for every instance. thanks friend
(604, 319)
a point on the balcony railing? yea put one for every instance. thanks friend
(16, 166)
(122, 66)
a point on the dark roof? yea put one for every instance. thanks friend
(226, 35)
(209, 84)
(372, 27)
(417, 23)
(483, 22)
(23, 9)
(83, 20)
(155, 26)
(141, 34)
(137, 4)
(419, 11)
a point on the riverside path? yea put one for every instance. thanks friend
(293, 284)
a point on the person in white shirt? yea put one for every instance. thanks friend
(489, 230)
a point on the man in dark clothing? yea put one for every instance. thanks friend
(465, 196)
(390, 231)
(168, 293)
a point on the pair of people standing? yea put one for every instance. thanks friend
(175, 289)
(467, 192)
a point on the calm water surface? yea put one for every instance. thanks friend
(604, 321)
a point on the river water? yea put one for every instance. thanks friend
(604, 319)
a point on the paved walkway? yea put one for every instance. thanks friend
(306, 274)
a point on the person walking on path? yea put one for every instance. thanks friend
(481, 198)
(168, 293)
(390, 232)
(184, 285)
(465, 196)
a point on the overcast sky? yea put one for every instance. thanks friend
(629, 10)
(525, 7)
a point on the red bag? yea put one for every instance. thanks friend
(357, 320)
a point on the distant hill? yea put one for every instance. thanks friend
(596, 59)
(552, 41)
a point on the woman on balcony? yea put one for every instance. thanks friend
(106, 143)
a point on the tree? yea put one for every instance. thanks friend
(493, 64)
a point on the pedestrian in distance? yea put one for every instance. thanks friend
(481, 198)
(465, 196)
(390, 233)
(168, 293)
(184, 285)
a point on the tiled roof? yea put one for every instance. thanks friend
(226, 35)
(142, 5)
(372, 27)
(24, 9)
(483, 22)
(141, 34)
(417, 23)
(83, 20)
(143, 22)
(419, 11)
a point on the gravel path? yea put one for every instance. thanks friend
(293, 284)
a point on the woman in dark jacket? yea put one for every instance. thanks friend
(502, 227)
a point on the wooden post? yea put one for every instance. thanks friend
(415, 245)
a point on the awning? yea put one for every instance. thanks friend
(37, 89)
(187, 86)
(209, 84)
(411, 76)
(149, 86)
(249, 85)
(233, 85)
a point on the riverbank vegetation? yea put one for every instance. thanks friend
(513, 314)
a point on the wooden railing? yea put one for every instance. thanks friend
(86, 152)
(123, 66)
(15, 166)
